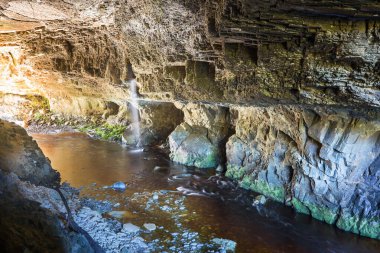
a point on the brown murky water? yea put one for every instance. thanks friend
(211, 210)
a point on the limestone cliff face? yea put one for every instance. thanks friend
(286, 94)
(232, 51)
(257, 51)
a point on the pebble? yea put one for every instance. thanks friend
(220, 168)
(121, 186)
(150, 226)
(225, 244)
(117, 214)
(130, 228)
(260, 200)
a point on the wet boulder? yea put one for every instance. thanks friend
(200, 139)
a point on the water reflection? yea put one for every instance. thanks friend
(225, 212)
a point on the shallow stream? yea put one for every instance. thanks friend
(185, 202)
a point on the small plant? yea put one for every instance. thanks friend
(106, 131)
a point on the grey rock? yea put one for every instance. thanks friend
(150, 226)
(324, 165)
(225, 244)
(130, 228)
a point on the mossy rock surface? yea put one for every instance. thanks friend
(363, 226)
(247, 182)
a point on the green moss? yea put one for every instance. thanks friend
(318, 212)
(210, 161)
(246, 181)
(199, 161)
(322, 213)
(235, 172)
(105, 131)
(299, 206)
(355, 224)
(274, 192)
(362, 226)
(38, 102)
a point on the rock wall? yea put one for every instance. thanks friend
(322, 161)
(230, 51)
(30, 219)
(21, 155)
(256, 51)
(30, 210)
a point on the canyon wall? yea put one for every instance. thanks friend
(284, 94)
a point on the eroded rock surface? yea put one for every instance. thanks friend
(221, 51)
(323, 162)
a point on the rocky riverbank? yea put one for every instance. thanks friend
(31, 206)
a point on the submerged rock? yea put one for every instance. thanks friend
(226, 245)
(130, 228)
(150, 226)
(260, 200)
(118, 186)
(110, 234)
(117, 214)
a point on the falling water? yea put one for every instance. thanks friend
(135, 112)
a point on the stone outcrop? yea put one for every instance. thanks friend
(20, 154)
(29, 219)
(30, 210)
(323, 162)
(200, 140)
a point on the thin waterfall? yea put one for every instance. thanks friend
(134, 109)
